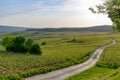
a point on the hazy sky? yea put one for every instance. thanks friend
(50, 13)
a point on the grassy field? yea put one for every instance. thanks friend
(108, 67)
(60, 51)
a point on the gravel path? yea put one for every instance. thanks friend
(73, 70)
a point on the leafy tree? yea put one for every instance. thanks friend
(20, 44)
(29, 42)
(112, 9)
(7, 41)
(35, 49)
(15, 44)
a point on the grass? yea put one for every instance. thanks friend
(111, 56)
(59, 52)
(108, 67)
(96, 73)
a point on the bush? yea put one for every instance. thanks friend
(15, 44)
(10, 77)
(20, 44)
(29, 42)
(43, 43)
(13, 77)
(35, 49)
(73, 40)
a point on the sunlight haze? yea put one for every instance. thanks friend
(50, 13)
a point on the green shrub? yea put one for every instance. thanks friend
(73, 40)
(15, 44)
(13, 77)
(35, 49)
(29, 42)
(10, 77)
(43, 43)
(20, 45)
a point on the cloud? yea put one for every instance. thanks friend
(57, 4)
(47, 5)
(55, 13)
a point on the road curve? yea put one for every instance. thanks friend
(73, 70)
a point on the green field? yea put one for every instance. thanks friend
(108, 67)
(59, 52)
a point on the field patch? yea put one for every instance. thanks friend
(56, 54)
(107, 68)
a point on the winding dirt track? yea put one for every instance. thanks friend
(73, 70)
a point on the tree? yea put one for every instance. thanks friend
(35, 49)
(112, 9)
(15, 44)
(6, 41)
(20, 44)
(29, 42)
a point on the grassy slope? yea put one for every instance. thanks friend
(58, 53)
(96, 73)
(108, 68)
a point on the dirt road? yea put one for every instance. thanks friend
(70, 71)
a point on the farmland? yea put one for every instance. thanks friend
(108, 67)
(60, 51)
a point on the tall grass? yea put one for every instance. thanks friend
(111, 56)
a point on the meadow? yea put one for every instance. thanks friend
(107, 68)
(61, 50)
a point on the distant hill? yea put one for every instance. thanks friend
(103, 28)
(11, 29)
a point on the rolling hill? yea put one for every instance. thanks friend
(11, 28)
(103, 28)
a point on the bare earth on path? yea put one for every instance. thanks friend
(73, 70)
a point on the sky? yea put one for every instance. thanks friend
(50, 13)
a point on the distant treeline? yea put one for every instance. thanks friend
(104, 28)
